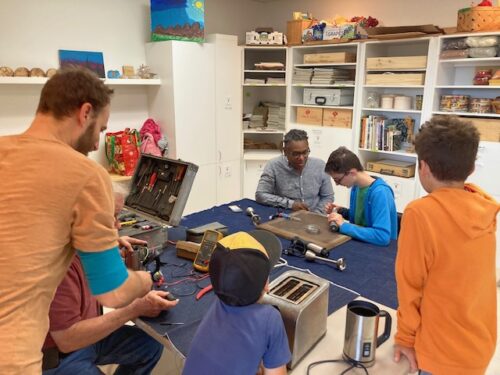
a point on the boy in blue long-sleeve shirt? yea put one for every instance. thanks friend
(372, 212)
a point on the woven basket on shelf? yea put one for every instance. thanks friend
(479, 19)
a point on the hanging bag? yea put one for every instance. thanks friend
(123, 151)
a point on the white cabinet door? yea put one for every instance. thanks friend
(252, 171)
(194, 87)
(487, 168)
(204, 191)
(228, 181)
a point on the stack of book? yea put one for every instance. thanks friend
(276, 115)
(328, 76)
(259, 117)
(275, 81)
(302, 76)
(255, 81)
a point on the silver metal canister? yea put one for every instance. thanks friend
(361, 332)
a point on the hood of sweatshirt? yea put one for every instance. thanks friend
(471, 209)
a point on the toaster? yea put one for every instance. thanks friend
(302, 300)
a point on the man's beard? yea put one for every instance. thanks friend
(86, 143)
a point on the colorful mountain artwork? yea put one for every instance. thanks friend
(93, 61)
(178, 20)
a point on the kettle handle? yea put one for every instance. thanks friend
(387, 328)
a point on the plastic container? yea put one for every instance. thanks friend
(481, 52)
(480, 105)
(482, 77)
(454, 103)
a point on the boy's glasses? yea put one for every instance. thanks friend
(338, 180)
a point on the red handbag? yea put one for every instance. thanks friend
(123, 151)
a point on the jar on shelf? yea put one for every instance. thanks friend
(418, 102)
(482, 77)
(480, 105)
(372, 99)
(387, 101)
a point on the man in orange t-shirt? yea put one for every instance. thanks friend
(55, 201)
(445, 266)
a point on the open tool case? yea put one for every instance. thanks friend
(159, 191)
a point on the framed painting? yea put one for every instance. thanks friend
(93, 61)
(178, 20)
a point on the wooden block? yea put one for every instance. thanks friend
(392, 167)
(294, 30)
(396, 62)
(488, 128)
(310, 116)
(339, 118)
(333, 57)
(187, 249)
(396, 79)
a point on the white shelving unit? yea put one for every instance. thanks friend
(254, 160)
(323, 139)
(405, 189)
(455, 77)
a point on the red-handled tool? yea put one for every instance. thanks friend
(204, 291)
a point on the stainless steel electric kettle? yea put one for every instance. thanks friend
(361, 332)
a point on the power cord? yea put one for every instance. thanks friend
(351, 364)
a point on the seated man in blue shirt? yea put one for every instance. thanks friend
(295, 180)
(372, 212)
(237, 334)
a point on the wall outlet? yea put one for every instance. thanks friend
(228, 103)
(227, 171)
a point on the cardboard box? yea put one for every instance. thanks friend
(396, 62)
(310, 116)
(392, 167)
(489, 129)
(339, 118)
(395, 79)
(332, 57)
(294, 31)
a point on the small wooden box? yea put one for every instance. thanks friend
(310, 116)
(294, 31)
(333, 57)
(395, 79)
(489, 129)
(396, 62)
(392, 168)
(339, 118)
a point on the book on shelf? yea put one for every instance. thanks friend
(379, 133)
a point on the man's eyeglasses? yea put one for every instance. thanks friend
(338, 180)
(298, 154)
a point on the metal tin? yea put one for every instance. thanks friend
(480, 105)
(454, 103)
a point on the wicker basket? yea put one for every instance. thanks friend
(479, 19)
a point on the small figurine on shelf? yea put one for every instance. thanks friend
(144, 72)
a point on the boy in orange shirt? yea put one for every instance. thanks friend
(445, 267)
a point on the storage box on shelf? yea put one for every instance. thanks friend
(392, 101)
(264, 107)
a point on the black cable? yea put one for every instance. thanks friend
(352, 364)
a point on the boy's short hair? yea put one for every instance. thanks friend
(342, 160)
(449, 146)
(240, 264)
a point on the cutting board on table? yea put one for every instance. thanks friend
(291, 228)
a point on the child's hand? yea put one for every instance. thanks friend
(331, 207)
(407, 352)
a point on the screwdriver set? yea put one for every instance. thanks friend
(160, 189)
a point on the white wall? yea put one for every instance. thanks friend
(388, 12)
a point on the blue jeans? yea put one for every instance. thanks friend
(129, 347)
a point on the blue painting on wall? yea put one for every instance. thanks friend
(93, 61)
(178, 20)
